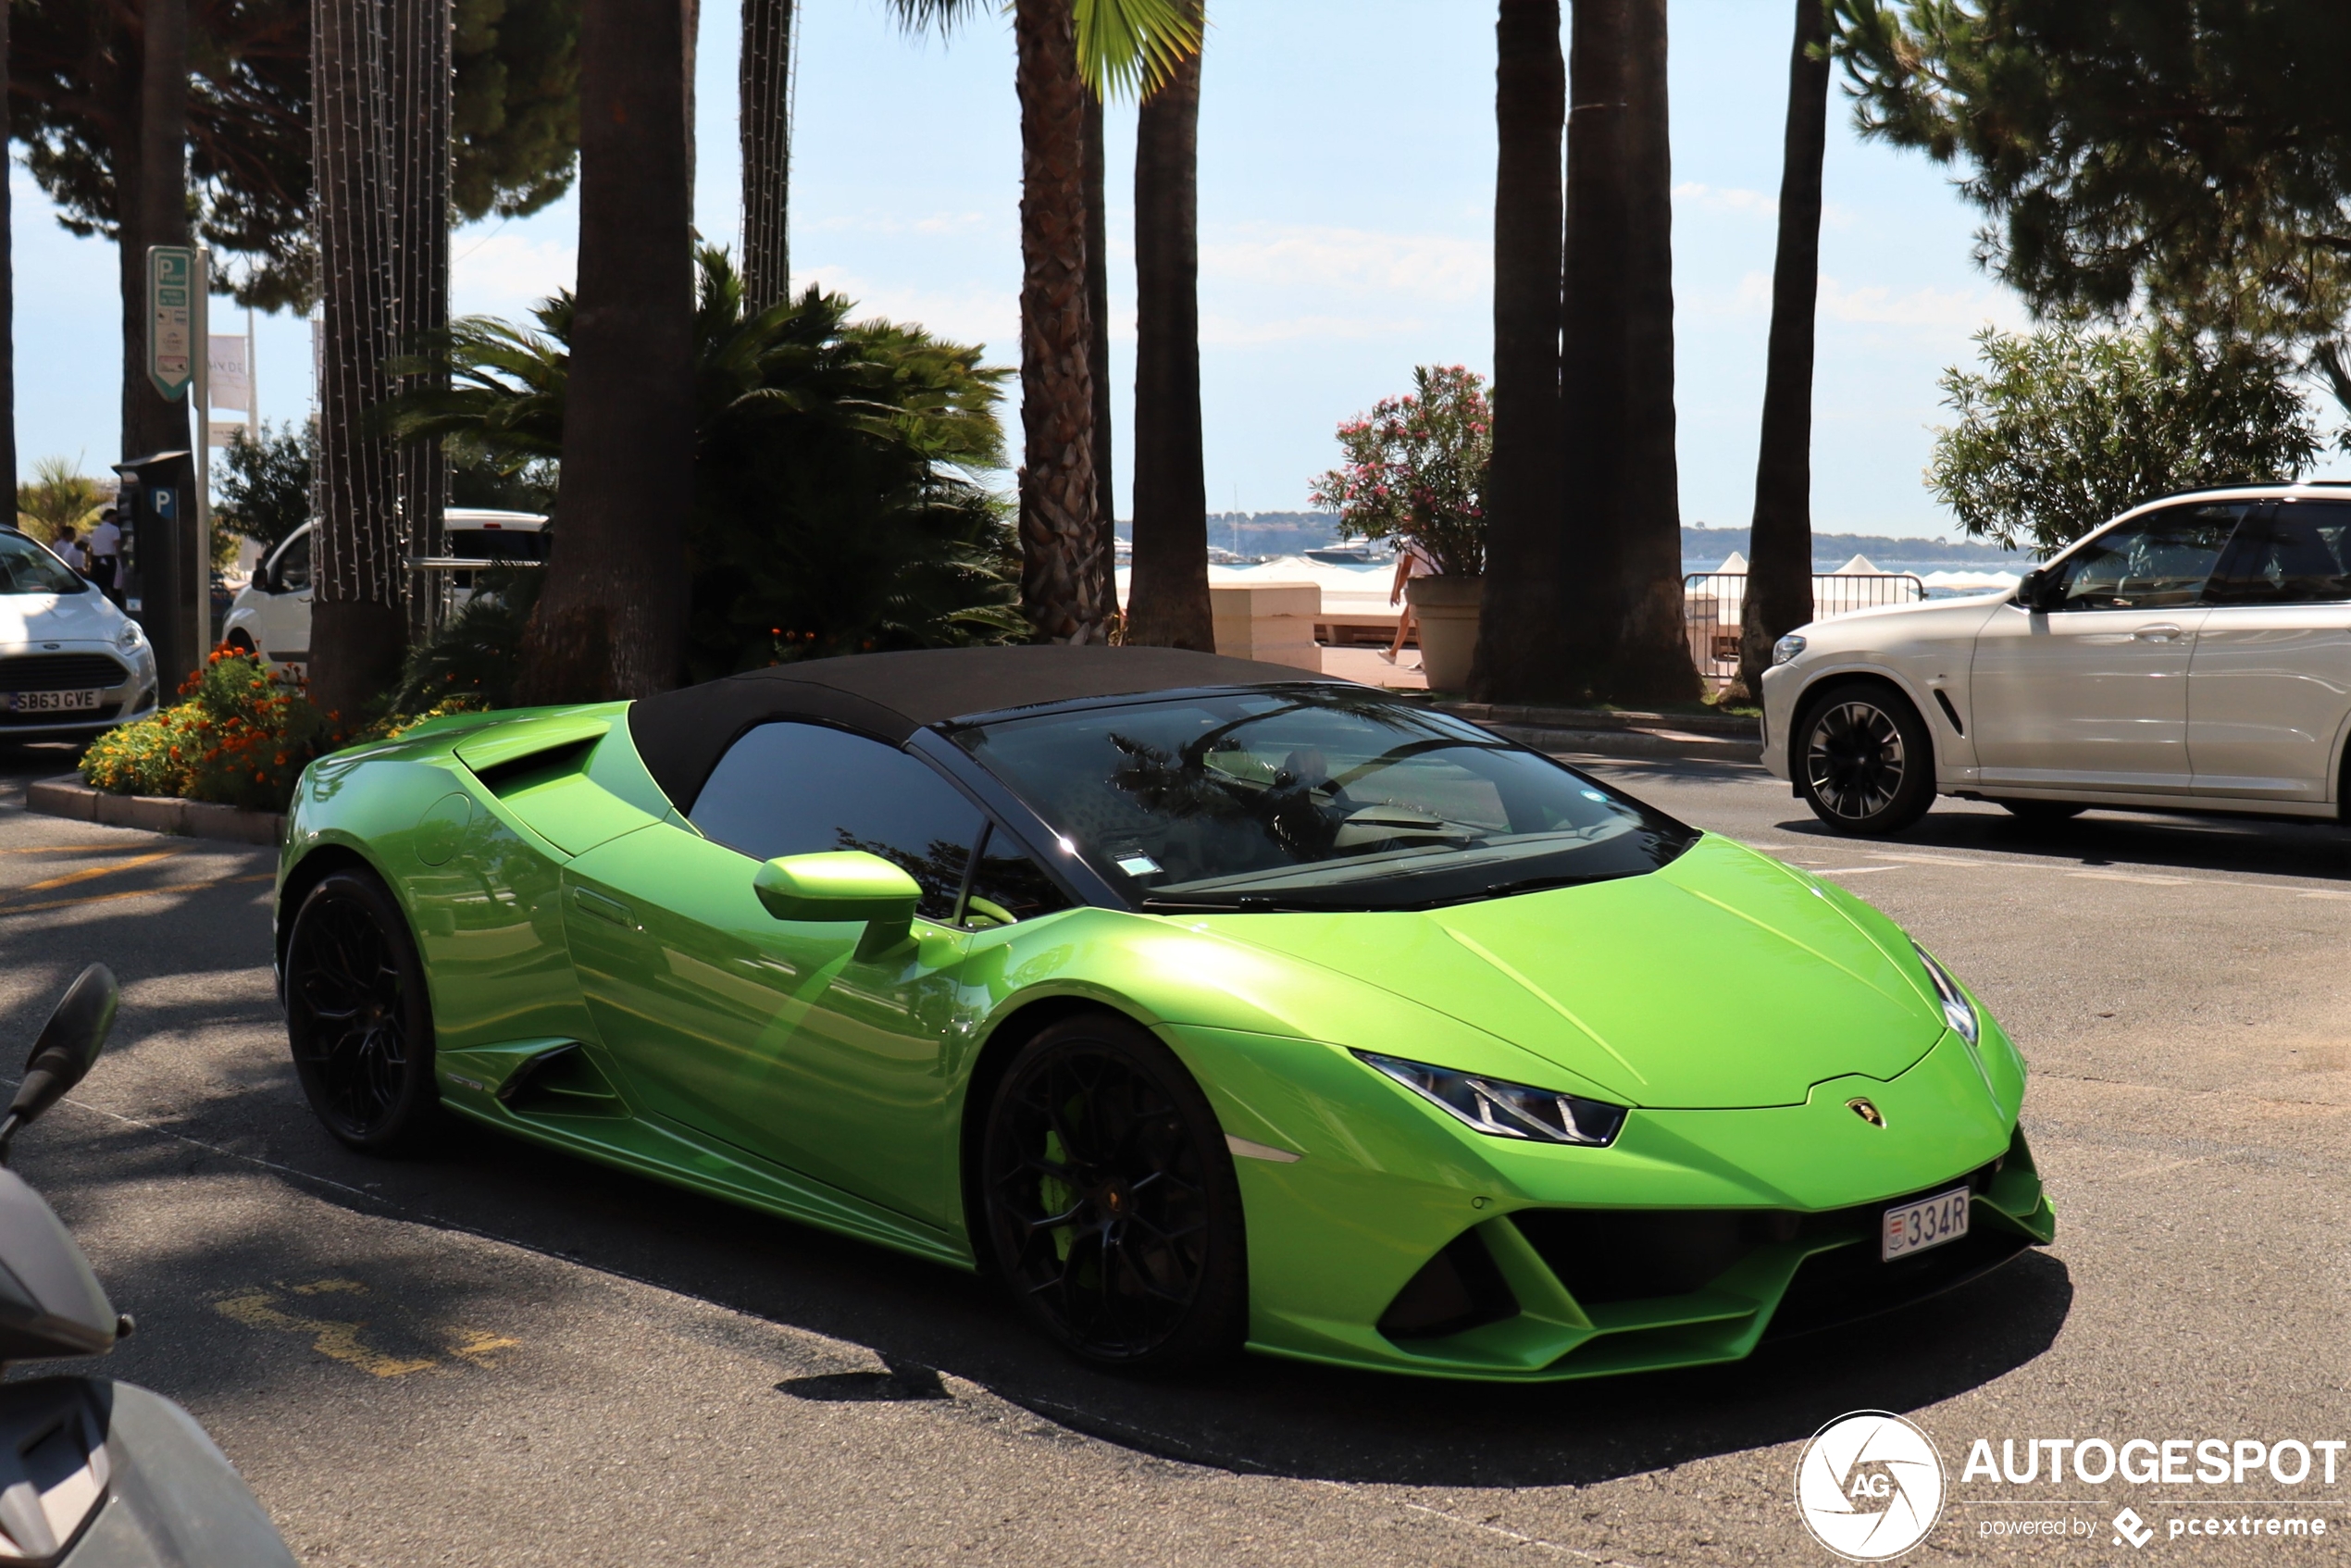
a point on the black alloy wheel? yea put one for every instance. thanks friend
(357, 1016)
(2049, 813)
(1110, 1205)
(1864, 761)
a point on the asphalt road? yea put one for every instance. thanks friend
(495, 1355)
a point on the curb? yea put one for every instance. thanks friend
(1614, 733)
(69, 796)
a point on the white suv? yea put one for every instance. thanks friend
(271, 614)
(2194, 653)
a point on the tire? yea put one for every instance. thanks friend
(358, 1019)
(1096, 1125)
(238, 642)
(1863, 760)
(2049, 813)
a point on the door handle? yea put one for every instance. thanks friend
(602, 908)
(2163, 633)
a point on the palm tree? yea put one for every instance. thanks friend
(1779, 572)
(1097, 357)
(1168, 604)
(611, 621)
(7, 309)
(1521, 647)
(764, 81)
(1624, 559)
(358, 626)
(156, 167)
(1066, 49)
(416, 61)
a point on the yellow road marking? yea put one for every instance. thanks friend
(475, 1345)
(62, 849)
(87, 872)
(9, 909)
(328, 1336)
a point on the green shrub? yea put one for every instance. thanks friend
(239, 739)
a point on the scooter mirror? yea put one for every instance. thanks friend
(67, 1048)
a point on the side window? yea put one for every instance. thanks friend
(1008, 887)
(2297, 553)
(291, 565)
(2151, 563)
(797, 789)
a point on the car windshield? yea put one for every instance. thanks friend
(1316, 796)
(25, 567)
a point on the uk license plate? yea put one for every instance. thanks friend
(1930, 1222)
(51, 702)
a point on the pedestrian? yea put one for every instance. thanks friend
(1411, 560)
(105, 551)
(66, 547)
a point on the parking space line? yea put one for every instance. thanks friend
(87, 872)
(9, 909)
(61, 848)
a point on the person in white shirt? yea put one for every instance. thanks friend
(67, 548)
(1412, 561)
(106, 549)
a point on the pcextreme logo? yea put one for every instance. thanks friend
(1869, 1485)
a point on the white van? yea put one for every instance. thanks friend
(271, 614)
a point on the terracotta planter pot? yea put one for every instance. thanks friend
(1448, 607)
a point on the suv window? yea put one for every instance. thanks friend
(290, 568)
(2151, 563)
(2299, 552)
(797, 789)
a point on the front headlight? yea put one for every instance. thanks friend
(130, 637)
(1787, 648)
(1958, 1011)
(1503, 1109)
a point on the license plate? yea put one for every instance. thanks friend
(1930, 1222)
(51, 702)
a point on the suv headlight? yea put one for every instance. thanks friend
(1958, 1011)
(1503, 1109)
(1787, 648)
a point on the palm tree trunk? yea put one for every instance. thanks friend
(763, 87)
(1653, 658)
(1522, 650)
(1779, 571)
(1060, 524)
(1168, 604)
(611, 621)
(1097, 357)
(7, 311)
(417, 65)
(1592, 344)
(358, 623)
(157, 186)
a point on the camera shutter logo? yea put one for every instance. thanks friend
(1870, 1486)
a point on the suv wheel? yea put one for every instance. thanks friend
(1863, 760)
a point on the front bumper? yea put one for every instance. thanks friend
(1781, 684)
(126, 692)
(1695, 1237)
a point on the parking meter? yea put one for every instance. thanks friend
(163, 562)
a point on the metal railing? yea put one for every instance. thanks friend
(1712, 603)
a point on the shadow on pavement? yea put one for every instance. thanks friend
(2251, 845)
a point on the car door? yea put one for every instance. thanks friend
(772, 1035)
(283, 625)
(2270, 682)
(2092, 691)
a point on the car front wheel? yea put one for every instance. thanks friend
(1109, 1202)
(1864, 761)
(357, 1016)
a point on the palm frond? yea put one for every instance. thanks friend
(1133, 47)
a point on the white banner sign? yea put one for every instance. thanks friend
(231, 374)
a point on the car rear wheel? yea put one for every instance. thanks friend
(1108, 1203)
(357, 1016)
(1863, 761)
(2050, 811)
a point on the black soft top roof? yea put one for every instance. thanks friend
(682, 734)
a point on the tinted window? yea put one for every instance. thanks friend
(2299, 553)
(1313, 797)
(25, 567)
(797, 789)
(495, 544)
(291, 566)
(2151, 563)
(1009, 887)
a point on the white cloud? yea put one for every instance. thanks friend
(1941, 309)
(1726, 198)
(894, 223)
(972, 315)
(1227, 332)
(1447, 267)
(505, 274)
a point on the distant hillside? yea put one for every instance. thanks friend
(1265, 534)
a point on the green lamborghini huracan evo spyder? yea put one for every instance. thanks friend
(1201, 1002)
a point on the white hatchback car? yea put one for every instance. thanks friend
(70, 662)
(2192, 655)
(271, 614)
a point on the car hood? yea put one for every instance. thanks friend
(58, 618)
(1726, 979)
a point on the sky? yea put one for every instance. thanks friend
(1346, 226)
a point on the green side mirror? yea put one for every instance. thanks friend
(838, 885)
